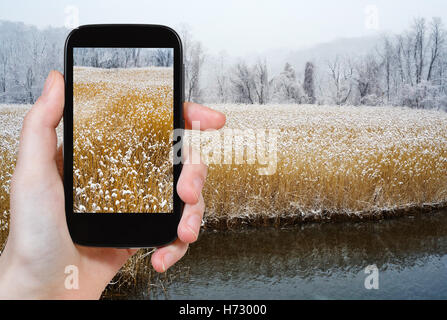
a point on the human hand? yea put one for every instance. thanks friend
(39, 246)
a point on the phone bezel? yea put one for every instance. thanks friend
(121, 230)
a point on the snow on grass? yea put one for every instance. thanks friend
(11, 118)
(123, 120)
(334, 159)
(337, 159)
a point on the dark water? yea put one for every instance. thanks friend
(317, 261)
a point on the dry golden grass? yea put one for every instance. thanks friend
(11, 117)
(334, 160)
(137, 276)
(345, 160)
(121, 140)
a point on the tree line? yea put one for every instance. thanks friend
(122, 57)
(27, 54)
(407, 69)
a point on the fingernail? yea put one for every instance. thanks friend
(48, 82)
(167, 261)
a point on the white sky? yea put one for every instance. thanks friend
(239, 27)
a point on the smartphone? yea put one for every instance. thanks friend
(123, 126)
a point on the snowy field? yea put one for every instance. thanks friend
(121, 139)
(333, 160)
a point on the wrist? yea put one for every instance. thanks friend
(17, 282)
(12, 285)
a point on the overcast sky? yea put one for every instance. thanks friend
(238, 26)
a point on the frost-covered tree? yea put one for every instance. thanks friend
(250, 84)
(416, 74)
(388, 63)
(163, 57)
(367, 81)
(222, 79)
(340, 79)
(193, 59)
(437, 41)
(243, 84)
(6, 52)
(405, 69)
(261, 82)
(27, 54)
(308, 84)
(286, 86)
(419, 30)
(123, 57)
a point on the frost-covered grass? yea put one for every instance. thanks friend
(341, 160)
(11, 117)
(344, 160)
(121, 140)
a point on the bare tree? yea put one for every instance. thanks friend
(5, 56)
(34, 71)
(163, 57)
(132, 55)
(419, 48)
(135, 56)
(261, 82)
(387, 61)
(408, 53)
(436, 41)
(367, 73)
(243, 83)
(222, 78)
(193, 59)
(341, 77)
(399, 59)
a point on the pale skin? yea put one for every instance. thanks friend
(39, 246)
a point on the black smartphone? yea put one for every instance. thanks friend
(123, 126)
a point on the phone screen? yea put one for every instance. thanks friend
(122, 130)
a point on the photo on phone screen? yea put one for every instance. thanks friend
(122, 130)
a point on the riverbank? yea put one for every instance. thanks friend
(295, 218)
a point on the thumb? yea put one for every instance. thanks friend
(38, 140)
